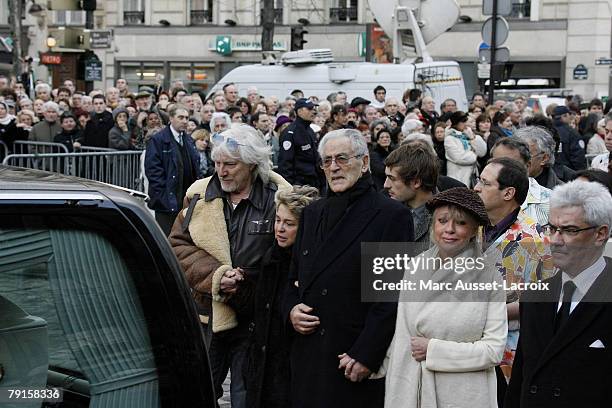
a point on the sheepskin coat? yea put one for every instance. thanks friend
(204, 252)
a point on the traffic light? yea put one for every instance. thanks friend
(297, 38)
(223, 45)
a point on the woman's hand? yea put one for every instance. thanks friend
(419, 348)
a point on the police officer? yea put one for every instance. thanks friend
(571, 147)
(298, 160)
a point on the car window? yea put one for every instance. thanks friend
(84, 324)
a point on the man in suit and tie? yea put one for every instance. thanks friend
(565, 344)
(340, 340)
(171, 166)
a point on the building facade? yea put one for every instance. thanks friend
(165, 40)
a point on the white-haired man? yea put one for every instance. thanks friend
(227, 225)
(339, 340)
(43, 91)
(45, 130)
(564, 351)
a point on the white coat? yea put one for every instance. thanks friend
(467, 341)
(461, 162)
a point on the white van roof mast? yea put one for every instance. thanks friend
(412, 24)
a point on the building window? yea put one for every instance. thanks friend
(69, 17)
(343, 11)
(133, 12)
(201, 12)
(521, 9)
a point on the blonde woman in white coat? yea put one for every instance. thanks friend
(463, 148)
(447, 343)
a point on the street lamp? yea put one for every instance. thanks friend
(51, 42)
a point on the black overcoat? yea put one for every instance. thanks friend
(328, 276)
(564, 370)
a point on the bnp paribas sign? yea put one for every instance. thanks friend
(226, 45)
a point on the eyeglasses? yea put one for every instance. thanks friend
(483, 182)
(340, 160)
(550, 229)
(231, 143)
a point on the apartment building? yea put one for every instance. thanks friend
(175, 39)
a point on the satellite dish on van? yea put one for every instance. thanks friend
(434, 17)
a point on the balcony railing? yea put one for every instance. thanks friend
(278, 16)
(521, 10)
(343, 15)
(201, 17)
(133, 17)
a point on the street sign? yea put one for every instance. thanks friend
(484, 71)
(93, 70)
(504, 7)
(501, 34)
(603, 61)
(100, 39)
(502, 54)
(50, 59)
(581, 72)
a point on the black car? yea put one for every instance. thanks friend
(93, 301)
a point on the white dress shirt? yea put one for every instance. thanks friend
(177, 135)
(583, 282)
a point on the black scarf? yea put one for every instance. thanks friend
(337, 204)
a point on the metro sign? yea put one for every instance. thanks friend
(50, 59)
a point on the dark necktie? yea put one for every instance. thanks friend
(180, 140)
(563, 314)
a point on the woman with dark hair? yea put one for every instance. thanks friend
(463, 148)
(589, 127)
(501, 126)
(438, 135)
(70, 134)
(245, 107)
(377, 157)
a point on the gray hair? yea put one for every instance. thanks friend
(358, 143)
(593, 198)
(509, 107)
(51, 105)
(541, 138)
(41, 87)
(410, 126)
(220, 117)
(384, 121)
(252, 149)
(408, 138)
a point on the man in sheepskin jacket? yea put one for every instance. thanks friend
(225, 229)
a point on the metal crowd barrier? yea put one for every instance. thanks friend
(3, 149)
(30, 147)
(120, 168)
(589, 159)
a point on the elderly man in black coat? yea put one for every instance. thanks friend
(341, 340)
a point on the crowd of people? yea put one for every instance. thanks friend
(266, 203)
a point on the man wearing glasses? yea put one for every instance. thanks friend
(564, 350)
(339, 340)
(298, 161)
(514, 242)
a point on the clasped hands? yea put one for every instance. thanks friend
(230, 280)
(304, 322)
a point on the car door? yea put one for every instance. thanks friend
(93, 303)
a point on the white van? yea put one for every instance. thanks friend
(440, 79)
